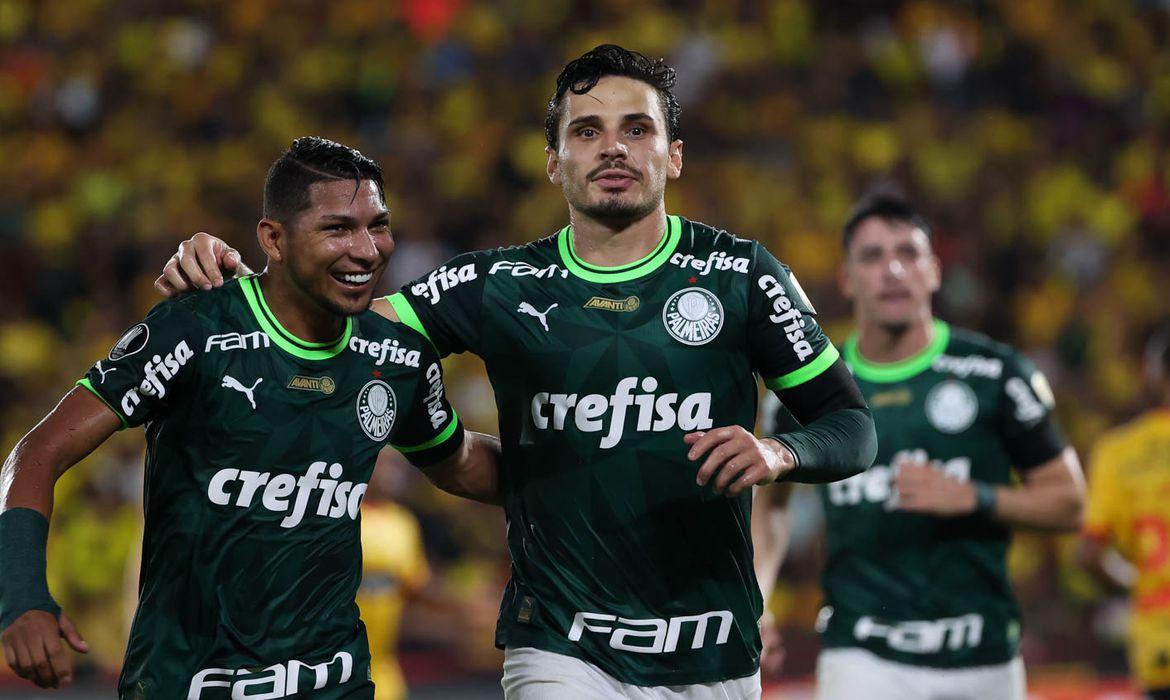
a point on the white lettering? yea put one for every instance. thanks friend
(280, 680)
(238, 488)
(597, 413)
(716, 260)
(660, 636)
(924, 636)
(442, 280)
(785, 313)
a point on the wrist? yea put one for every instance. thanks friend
(784, 454)
(986, 498)
(24, 534)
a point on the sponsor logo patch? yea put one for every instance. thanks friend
(282, 680)
(132, 341)
(376, 408)
(627, 305)
(951, 406)
(693, 316)
(325, 385)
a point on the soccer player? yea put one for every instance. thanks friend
(623, 351)
(917, 598)
(265, 403)
(1127, 514)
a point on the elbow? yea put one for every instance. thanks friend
(867, 444)
(1074, 512)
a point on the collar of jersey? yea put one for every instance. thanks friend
(887, 372)
(621, 273)
(285, 340)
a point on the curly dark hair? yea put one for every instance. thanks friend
(581, 75)
(313, 159)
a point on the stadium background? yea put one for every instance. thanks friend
(1032, 132)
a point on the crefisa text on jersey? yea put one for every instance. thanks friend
(238, 487)
(159, 370)
(785, 312)
(717, 260)
(387, 350)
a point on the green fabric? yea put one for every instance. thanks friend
(888, 372)
(832, 446)
(621, 273)
(283, 338)
(810, 371)
(24, 535)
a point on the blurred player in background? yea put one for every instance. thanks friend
(1129, 514)
(266, 403)
(917, 598)
(623, 351)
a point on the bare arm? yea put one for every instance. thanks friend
(72, 430)
(1105, 564)
(770, 531)
(32, 640)
(473, 471)
(1050, 497)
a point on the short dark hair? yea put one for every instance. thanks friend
(890, 207)
(313, 159)
(582, 74)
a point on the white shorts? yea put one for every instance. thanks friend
(534, 674)
(848, 674)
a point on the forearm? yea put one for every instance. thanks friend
(1057, 510)
(770, 532)
(835, 446)
(473, 472)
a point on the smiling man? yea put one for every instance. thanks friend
(265, 403)
(624, 352)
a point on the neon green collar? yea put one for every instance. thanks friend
(888, 372)
(285, 340)
(621, 273)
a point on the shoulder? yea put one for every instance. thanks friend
(970, 353)
(390, 341)
(708, 245)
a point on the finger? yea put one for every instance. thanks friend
(229, 259)
(208, 255)
(705, 442)
(191, 266)
(71, 635)
(749, 478)
(173, 271)
(164, 287)
(692, 438)
(60, 664)
(24, 667)
(39, 662)
(714, 461)
(733, 467)
(10, 655)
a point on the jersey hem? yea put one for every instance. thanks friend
(538, 639)
(86, 384)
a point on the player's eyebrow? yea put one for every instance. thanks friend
(594, 120)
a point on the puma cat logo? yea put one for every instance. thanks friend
(526, 308)
(231, 382)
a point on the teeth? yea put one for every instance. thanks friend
(358, 279)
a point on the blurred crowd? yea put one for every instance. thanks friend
(1033, 134)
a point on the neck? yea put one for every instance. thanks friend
(297, 312)
(878, 342)
(610, 244)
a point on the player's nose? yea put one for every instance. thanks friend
(364, 246)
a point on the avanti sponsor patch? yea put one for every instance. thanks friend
(627, 305)
(325, 385)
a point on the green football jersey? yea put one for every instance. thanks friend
(259, 448)
(618, 557)
(920, 589)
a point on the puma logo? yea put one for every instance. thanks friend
(104, 372)
(526, 308)
(231, 382)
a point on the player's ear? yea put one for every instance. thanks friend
(553, 168)
(272, 238)
(675, 151)
(844, 281)
(935, 280)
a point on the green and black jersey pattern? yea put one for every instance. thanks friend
(925, 590)
(618, 556)
(259, 448)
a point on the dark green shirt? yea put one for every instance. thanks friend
(618, 557)
(259, 447)
(919, 589)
